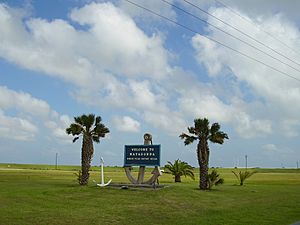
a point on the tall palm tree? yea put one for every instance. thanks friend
(203, 132)
(91, 129)
(178, 169)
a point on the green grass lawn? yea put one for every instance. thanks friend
(37, 194)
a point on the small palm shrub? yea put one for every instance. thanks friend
(178, 169)
(243, 175)
(214, 179)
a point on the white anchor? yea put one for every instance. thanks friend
(102, 175)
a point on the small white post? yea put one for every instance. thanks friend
(102, 173)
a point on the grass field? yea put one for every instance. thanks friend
(38, 194)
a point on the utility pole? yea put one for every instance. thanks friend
(246, 158)
(56, 155)
(297, 164)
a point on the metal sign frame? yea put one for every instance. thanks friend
(142, 155)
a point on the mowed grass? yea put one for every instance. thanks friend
(37, 194)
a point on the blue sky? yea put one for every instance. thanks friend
(60, 59)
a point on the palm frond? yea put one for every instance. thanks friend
(75, 139)
(179, 168)
(74, 129)
(188, 172)
(188, 139)
(98, 120)
(100, 130)
(215, 127)
(83, 125)
(202, 127)
(96, 138)
(218, 137)
(78, 120)
(220, 181)
(236, 174)
(88, 121)
(192, 130)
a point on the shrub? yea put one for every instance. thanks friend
(178, 169)
(243, 175)
(213, 179)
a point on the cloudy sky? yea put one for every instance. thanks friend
(141, 73)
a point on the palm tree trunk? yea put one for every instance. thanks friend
(199, 162)
(177, 178)
(203, 156)
(86, 156)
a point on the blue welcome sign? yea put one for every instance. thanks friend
(142, 155)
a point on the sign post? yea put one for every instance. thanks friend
(142, 156)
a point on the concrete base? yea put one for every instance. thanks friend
(128, 186)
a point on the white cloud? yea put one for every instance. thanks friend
(267, 7)
(30, 112)
(16, 128)
(249, 128)
(142, 96)
(109, 58)
(23, 102)
(58, 125)
(290, 127)
(112, 42)
(207, 53)
(126, 124)
(114, 61)
(276, 92)
(236, 113)
(205, 105)
(171, 122)
(270, 147)
(118, 44)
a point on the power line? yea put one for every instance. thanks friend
(209, 38)
(249, 36)
(255, 25)
(229, 34)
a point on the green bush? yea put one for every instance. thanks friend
(214, 179)
(243, 175)
(178, 169)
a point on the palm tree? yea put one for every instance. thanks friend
(203, 132)
(91, 129)
(242, 176)
(178, 169)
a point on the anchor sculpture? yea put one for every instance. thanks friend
(102, 175)
(140, 180)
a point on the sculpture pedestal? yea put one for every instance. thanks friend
(140, 180)
(136, 186)
(150, 156)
